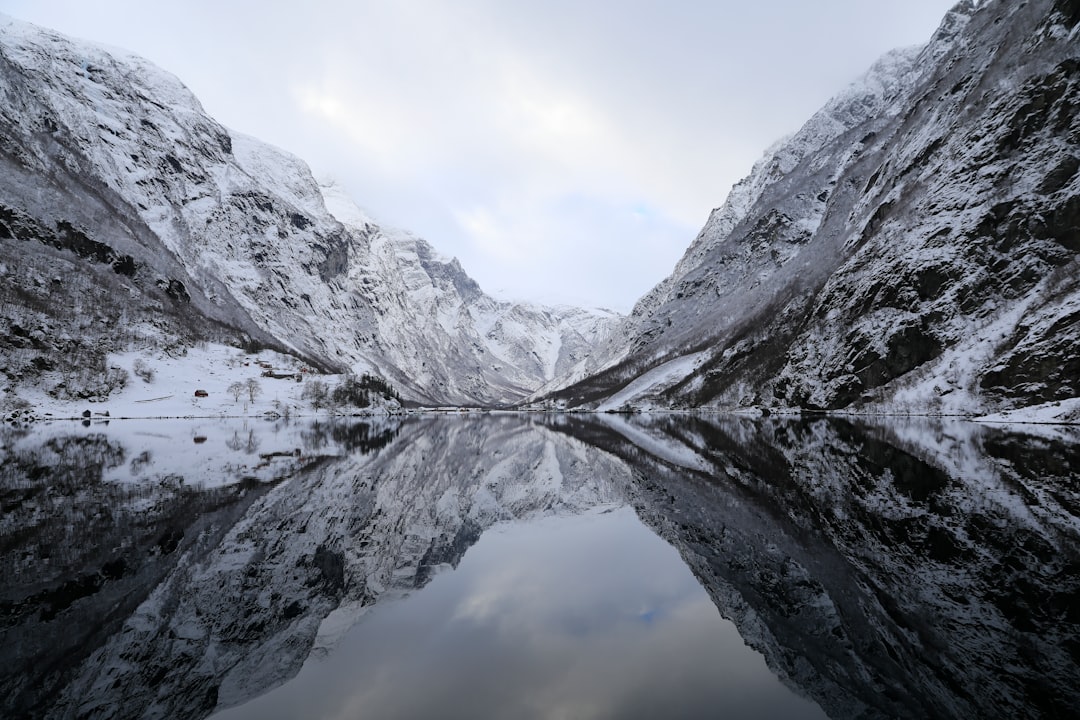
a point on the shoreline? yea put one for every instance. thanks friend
(29, 416)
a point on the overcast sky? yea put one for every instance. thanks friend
(563, 150)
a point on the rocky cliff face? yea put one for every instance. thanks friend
(124, 206)
(440, 331)
(913, 247)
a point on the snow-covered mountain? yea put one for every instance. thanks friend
(912, 247)
(128, 216)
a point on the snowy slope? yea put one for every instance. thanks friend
(912, 248)
(436, 320)
(114, 161)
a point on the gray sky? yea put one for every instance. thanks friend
(564, 151)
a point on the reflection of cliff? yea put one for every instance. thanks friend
(914, 570)
(246, 594)
(901, 570)
(78, 555)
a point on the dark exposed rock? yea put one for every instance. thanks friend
(331, 567)
(1060, 176)
(175, 289)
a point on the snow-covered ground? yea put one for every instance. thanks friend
(171, 390)
(1064, 412)
(656, 379)
(1052, 420)
(198, 452)
(212, 368)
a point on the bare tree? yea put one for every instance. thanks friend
(247, 444)
(236, 390)
(284, 410)
(235, 442)
(316, 393)
(253, 388)
(143, 370)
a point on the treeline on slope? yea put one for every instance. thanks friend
(67, 301)
(352, 390)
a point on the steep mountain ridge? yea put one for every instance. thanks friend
(189, 231)
(451, 323)
(912, 247)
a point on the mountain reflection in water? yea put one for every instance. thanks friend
(900, 569)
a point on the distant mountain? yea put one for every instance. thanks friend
(128, 217)
(912, 248)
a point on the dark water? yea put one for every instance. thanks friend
(539, 566)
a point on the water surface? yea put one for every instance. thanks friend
(587, 615)
(539, 566)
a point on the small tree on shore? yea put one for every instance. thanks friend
(253, 388)
(143, 370)
(316, 393)
(236, 390)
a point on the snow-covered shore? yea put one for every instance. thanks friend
(1064, 412)
(161, 385)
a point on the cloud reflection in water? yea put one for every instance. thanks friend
(589, 616)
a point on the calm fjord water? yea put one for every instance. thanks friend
(539, 566)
